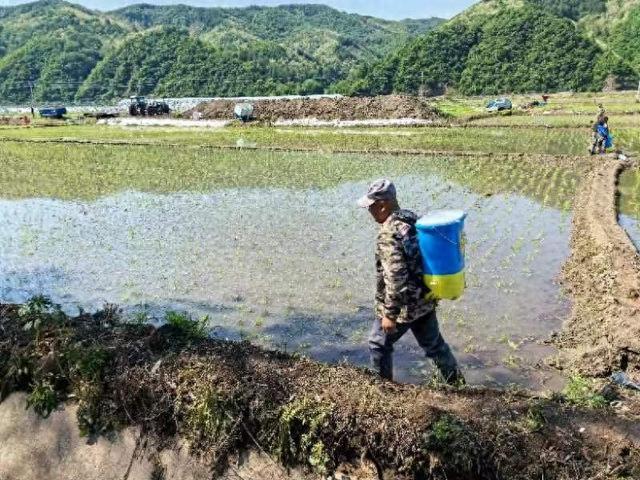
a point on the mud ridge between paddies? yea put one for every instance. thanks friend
(224, 398)
(341, 108)
(603, 279)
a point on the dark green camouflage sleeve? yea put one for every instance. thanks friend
(394, 272)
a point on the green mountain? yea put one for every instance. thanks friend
(621, 36)
(51, 46)
(63, 52)
(167, 61)
(69, 53)
(572, 9)
(514, 46)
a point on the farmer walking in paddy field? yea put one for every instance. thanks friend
(400, 303)
(601, 136)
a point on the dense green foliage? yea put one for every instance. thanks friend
(573, 9)
(525, 50)
(52, 45)
(278, 24)
(59, 64)
(625, 38)
(613, 71)
(263, 68)
(501, 46)
(71, 53)
(136, 66)
(426, 65)
(168, 61)
(22, 23)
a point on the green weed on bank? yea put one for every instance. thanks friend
(584, 392)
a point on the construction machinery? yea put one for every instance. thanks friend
(139, 106)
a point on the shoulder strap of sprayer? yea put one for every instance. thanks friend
(411, 221)
(405, 218)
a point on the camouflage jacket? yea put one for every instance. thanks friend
(400, 288)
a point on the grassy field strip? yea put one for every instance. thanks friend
(64, 170)
(618, 102)
(432, 139)
(629, 139)
(310, 149)
(552, 121)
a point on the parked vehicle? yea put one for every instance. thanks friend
(52, 112)
(499, 105)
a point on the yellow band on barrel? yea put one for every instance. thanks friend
(446, 287)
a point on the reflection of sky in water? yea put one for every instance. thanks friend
(632, 227)
(629, 204)
(292, 268)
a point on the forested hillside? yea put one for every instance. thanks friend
(514, 46)
(625, 37)
(51, 47)
(63, 52)
(168, 61)
(573, 9)
(69, 53)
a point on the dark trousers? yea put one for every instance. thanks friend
(597, 145)
(427, 333)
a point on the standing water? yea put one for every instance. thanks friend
(629, 207)
(273, 248)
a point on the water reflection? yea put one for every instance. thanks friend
(293, 267)
(629, 217)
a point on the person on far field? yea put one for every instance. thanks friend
(601, 137)
(402, 302)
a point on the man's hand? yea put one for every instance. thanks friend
(388, 325)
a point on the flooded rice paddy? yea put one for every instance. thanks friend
(629, 217)
(273, 249)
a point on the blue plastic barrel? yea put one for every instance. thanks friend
(441, 240)
(608, 142)
(603, 131)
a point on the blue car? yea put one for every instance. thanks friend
(499, 104)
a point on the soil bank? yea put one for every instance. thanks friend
(341, 108)
(603, 278)
(225, 398)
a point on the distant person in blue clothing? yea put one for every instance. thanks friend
(601, 137)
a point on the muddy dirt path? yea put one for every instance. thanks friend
(603, 278)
